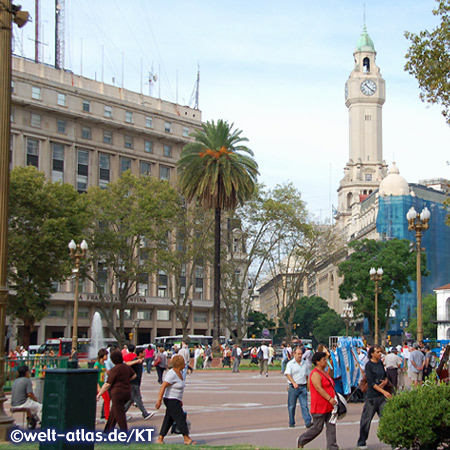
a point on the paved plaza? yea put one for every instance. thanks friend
(241, 408)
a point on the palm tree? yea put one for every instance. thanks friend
(220, 173)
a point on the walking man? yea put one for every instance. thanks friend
(135, 361)
(285, 357)
(393, 363)
(208, 357)
(236, 355)
(186, 354)
(297, 372)
(263, 356)
(376, 394)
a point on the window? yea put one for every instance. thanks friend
(185, 131)
(200, 316)
(108, 111)
(107, 137)
(367, 117)
(148, 148)
(198, 288)
(36, 92)
(149, 122)
(61, 126)
(368, 177)
(163, 314)
(143, 284)
(125, 164)
(32, 152)
(167, 150)
(36, 120)
(145, 168)
(164, 173)
(104, 168)
(86, 133)
(61, 99)
(126, 314)
(128, 117)
(183, 279)
(168, 127)
(102, 278)
(162, 284)
(11, 147)
(86, 106)
(12, 114)
(128, 142)
(145, 314)
(82, 170)
(12, 86)
(56, 311)
(57, 162)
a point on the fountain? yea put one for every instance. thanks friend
(97, 339)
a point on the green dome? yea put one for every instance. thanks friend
(365, 44)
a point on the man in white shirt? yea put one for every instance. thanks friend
(392, 362)
(263, 356)
(297, 372)
(186, 354)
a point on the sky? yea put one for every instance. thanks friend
(276, 69)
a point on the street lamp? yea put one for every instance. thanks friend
(8, 14)
(418, 223)
(403, 326)
(77, 252)
(136, 323)
(347, 315)
(376, 275)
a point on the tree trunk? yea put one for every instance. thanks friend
(216, 306)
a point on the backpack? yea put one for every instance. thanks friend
(260, 354)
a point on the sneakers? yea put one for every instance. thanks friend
(298, 443)
(102, 420)
(129, 418)
(149, 415)
(310, 424)
(291, 426)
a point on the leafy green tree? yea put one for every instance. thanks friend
(44, 217)
(220, 173)
(259, 321)
(254, 233)
(428, 59)
(186, 258)
(128, 237)
(307, 312)
(399, 267)
(429, 313)
(328, 324)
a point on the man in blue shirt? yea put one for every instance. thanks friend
(297, 372)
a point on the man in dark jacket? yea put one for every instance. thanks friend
(376, 394)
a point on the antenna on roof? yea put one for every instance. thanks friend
(364, 14)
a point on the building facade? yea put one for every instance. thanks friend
(86, 133)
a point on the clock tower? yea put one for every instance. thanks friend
(365, 94)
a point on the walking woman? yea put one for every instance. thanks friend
(119, 381)
(322, 403)
(160, 363)
(172, 393)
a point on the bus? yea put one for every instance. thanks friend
(168, 342)
(63, 346)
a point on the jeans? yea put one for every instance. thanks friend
(283, 364)
(371, 406)
(301, 394)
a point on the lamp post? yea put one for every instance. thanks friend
(77, 252)
(376, 275)
(403, 326)
(418, 223)
(8, 14)
(136, 323)
(347, 315)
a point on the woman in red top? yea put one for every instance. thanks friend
(322, 403)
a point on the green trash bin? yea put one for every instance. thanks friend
(69, 404)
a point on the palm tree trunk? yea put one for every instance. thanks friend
(216, 305)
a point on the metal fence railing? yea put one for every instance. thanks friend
(37, 364)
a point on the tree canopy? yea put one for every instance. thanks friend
(44, 217)
(428, 59)
(128, 237)
(399, 267)
(429, 313)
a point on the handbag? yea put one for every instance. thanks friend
(341, 406)
(363, 385)
(156, 361)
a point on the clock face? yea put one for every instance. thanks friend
(368, 87)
